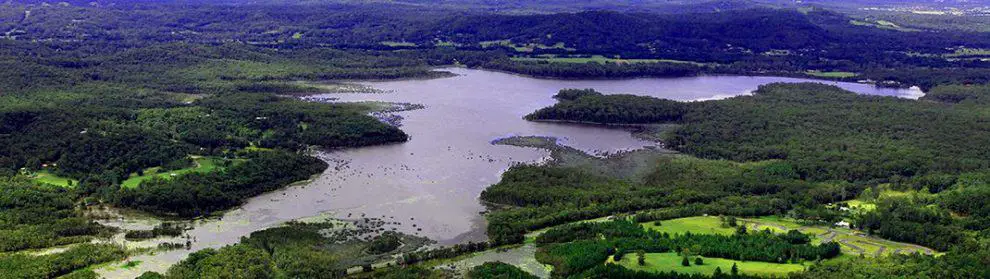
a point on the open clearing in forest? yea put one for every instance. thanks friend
(52, 179)
(203, 165)
(853, 242)
(399, 44)
(527, 47)
(861, 205)
(883, 24)
(695, 225)
(831, 74)
(656, 262)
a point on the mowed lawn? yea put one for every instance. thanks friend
(203, 165)
(656, 262)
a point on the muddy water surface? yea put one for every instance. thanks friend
(430, 184)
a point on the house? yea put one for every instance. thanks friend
(843, 224)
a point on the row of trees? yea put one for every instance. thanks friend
(498, 270)
(616, 271)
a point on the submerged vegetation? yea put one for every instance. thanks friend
(298, 250)
(61, 264)
(38, 216)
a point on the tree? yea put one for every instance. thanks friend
(685, 262)
(698, 261)
(717, 273)
(735, 270)
(796, 237)
(741, 230)
(151, 275)
(385, 243)
(493, 270)
(641, 257)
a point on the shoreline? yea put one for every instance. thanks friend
(799, 75)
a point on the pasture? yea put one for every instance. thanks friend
(853, 242)
(656, 262)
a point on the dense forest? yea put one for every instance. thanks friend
(184, 109)
(826, 133)
(829, 133)
(590, 106)
(86, 125)
(751, 39)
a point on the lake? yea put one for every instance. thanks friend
(431, 183)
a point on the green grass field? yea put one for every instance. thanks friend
(244, 69)
(600, 59)
(255, 148)
(656, 262)
(398, 44)
(831, 74)
(446, 44)
(695, 225)
(203, 165)
(861, 205)
(531, 236)
(883, 24)
(51, 179)
(852, 242)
